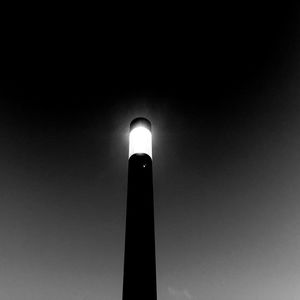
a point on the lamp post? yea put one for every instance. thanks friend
(139, 281)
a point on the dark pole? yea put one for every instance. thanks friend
(139, 281)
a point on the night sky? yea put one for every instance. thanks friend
(221, 89)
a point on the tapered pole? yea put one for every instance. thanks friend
(139, 281)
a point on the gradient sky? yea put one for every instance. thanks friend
(226, 158)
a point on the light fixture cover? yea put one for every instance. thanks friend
(140, 137)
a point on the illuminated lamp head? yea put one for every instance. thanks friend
(140, 137)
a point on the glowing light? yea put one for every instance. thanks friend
(140, 141)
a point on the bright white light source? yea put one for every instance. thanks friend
(140, 141)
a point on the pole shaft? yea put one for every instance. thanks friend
(139, 280)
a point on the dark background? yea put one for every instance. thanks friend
(220, 84)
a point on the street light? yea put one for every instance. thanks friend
(139, 281)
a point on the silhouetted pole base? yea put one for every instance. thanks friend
(139, 263)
